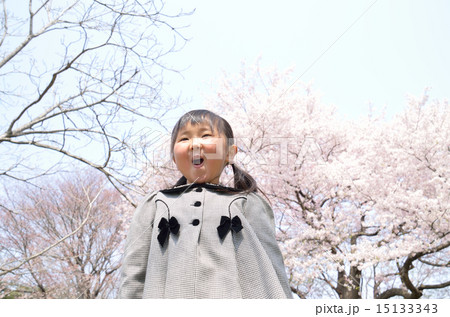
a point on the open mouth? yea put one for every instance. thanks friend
(198, 161)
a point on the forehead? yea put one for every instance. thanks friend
(201, 126)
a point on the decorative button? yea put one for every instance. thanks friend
(198, 189)
(197, 204)
(195, 222)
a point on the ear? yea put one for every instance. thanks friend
(232, 150)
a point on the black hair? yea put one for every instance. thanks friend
(242, 180)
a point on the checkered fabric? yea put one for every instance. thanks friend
(195, 262)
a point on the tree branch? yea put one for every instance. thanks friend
(434, 286)
(5, 23)
(395, 292)
(28, 259)
(32, 35)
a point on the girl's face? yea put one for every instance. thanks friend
(201, 154)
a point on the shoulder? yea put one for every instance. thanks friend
(259, 213)
(257, 206)
(145, 206)
(147, 199)
(254, 198)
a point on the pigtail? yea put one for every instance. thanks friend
(243, 180)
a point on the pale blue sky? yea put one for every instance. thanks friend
(395, 48)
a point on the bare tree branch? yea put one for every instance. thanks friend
(31, 34)
(96, 87)
(5, 23)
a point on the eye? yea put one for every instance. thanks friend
(206, 135)
(183, 139)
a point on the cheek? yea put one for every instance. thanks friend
(180, 152)
(214, 151)
(209, 147)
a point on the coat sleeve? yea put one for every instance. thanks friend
(260, 216)
(137, 247)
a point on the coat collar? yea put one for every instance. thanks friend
(214, 187)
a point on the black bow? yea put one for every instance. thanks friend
(226, 224)
(166, 227)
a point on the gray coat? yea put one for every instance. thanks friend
(194, 262)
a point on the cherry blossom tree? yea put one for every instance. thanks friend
(64, 241)
(362, 207)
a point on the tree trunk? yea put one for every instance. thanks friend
(349, 286)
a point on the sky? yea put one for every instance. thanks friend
(353, 52)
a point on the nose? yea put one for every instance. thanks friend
(196, 144)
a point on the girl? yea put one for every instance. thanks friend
(200, 239)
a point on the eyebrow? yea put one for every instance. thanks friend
(184, 131)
